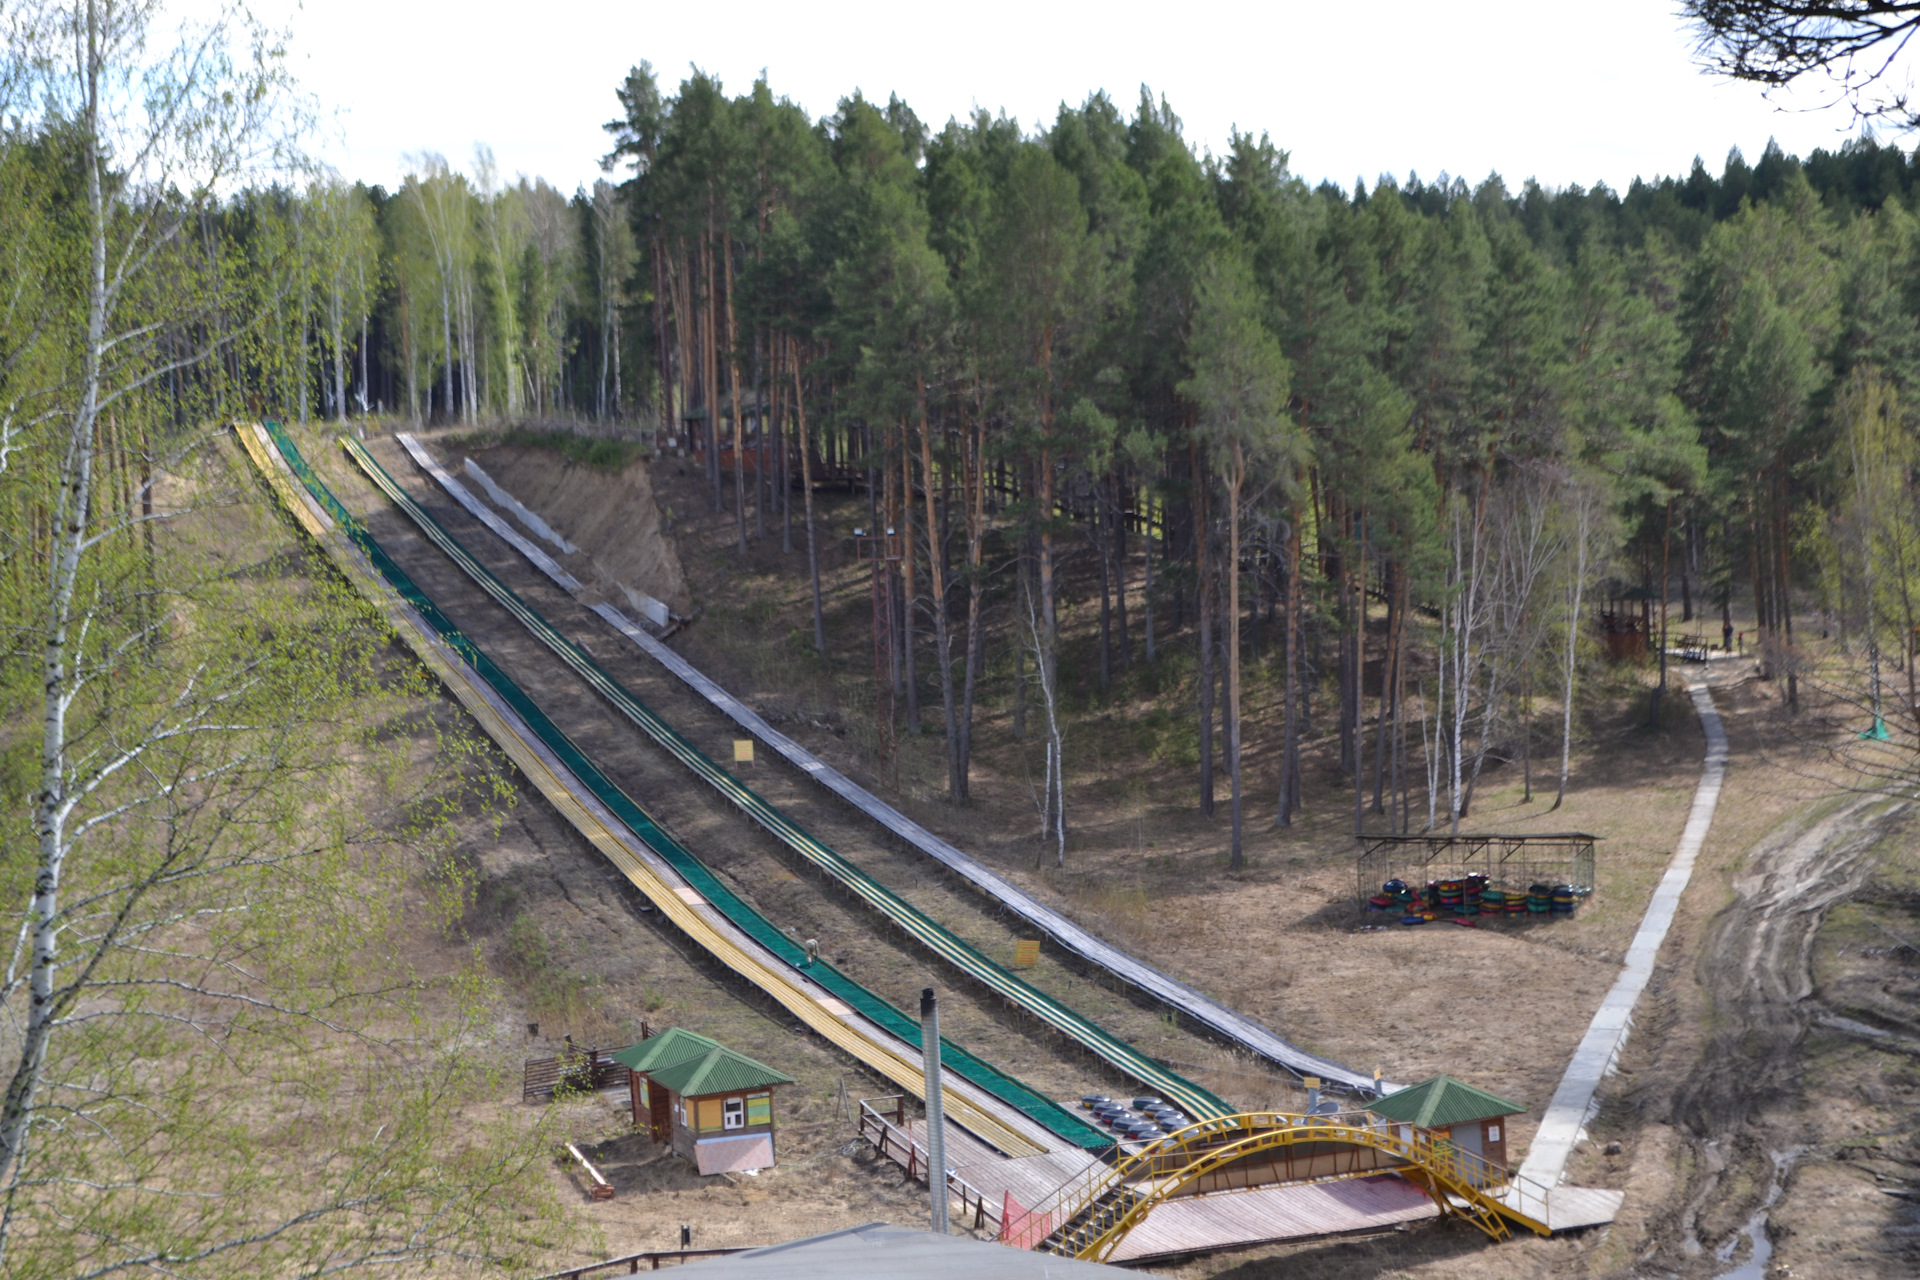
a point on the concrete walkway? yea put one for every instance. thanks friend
(1572, 1102)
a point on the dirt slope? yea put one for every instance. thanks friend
(1756, 1112)
(611, 517)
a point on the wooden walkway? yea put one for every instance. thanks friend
(1202, 1009)
(1190, 1224)
(1196, 1224)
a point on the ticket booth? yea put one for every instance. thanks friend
(714, 1105)
(1454, 1112)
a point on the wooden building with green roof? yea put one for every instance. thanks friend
(714, 1105)
(1473, 1120)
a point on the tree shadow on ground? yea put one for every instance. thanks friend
(1357, 1257)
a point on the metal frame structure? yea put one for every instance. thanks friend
(1508, 860)
(1090, 1213)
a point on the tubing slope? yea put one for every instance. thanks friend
(1030, 1103)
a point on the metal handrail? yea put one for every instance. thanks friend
(632, 1261)
(919, 1162)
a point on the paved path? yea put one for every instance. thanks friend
(1573, 1103)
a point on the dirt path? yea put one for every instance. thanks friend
(1743, 1109)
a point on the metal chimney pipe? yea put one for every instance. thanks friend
(936, 1121)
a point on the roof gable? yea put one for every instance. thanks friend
(671, 1046)
(719, 1070)
(1441, 1102)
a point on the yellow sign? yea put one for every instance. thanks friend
(743, 750)
(1026, 953)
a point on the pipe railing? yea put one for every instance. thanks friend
(653, 1257)
(891, 1139)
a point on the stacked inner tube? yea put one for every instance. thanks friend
(1471, 891)
(1394, 895)
(1458, 897)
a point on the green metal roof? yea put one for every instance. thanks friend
(1441, 1102)
(664, 1050)
(719, 1070)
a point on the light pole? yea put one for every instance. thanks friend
(936, 1127)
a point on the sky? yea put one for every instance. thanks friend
(1561, 92)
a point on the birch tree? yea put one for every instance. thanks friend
(201, 1072)
(1581, 509)
(504, 233)
(345, 249)
(613, 261)
(441, 200)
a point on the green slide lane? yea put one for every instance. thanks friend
(1043, 1110)
(1191, 1098)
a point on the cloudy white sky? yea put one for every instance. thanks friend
(1559, 91)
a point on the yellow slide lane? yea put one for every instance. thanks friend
(899, 1067)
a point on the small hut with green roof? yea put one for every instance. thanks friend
(1473, 1120)
(714, 1105)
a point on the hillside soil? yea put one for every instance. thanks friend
(1792, 938)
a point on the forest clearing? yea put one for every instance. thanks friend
(1062, 683)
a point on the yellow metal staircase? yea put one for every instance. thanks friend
(1091, 1212)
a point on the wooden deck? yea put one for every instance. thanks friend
(1234, 1218)
(1570, 1208)
(1225, 1219)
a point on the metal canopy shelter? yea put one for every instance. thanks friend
(1507, 860)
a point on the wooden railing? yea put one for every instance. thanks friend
(588, 1070)
(885, 1127)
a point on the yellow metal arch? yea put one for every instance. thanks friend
(1461, 1185)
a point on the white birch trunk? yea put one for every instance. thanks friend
(60, 678)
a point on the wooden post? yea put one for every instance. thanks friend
(601, 1189)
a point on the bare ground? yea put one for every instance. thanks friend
(1781, 1017)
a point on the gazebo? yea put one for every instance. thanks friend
(1473, 1120)
(714, 1105)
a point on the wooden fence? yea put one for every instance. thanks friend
(587, 1070)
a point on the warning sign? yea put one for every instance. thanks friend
(743, 750)
(1026, 953)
